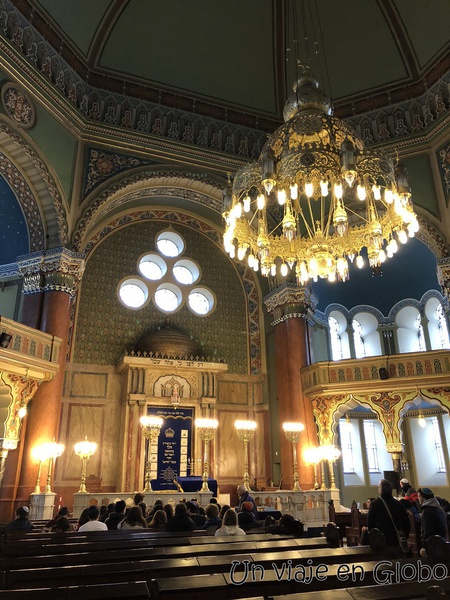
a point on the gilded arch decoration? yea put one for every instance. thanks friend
(32, 168)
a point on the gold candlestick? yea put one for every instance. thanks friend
(84, 450)
(206, 429)
(151, 428)
(292, 432)
(246, 431)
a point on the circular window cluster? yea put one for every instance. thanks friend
(167, 279)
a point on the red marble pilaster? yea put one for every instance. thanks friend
(45, 408)
(289, 305)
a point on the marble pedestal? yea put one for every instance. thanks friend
(42, 505)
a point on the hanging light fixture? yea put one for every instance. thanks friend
(421, 420)
(316, 197)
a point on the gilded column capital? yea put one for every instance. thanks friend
(58, 269)
(290, 301)
(443, 275)
(395, 449)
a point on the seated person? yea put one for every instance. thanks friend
(134, 519)
(158, 521)
(21, 522)
(246, 517)
(63, 512)
(212, 517)
(192, 510)
(379, 517)
(229, 525)
(180, 520)
(287, 525)
(117, 516)
(93, 523)
(62, 525)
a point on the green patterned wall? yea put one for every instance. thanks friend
(105, 328)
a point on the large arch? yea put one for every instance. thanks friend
(36, 190)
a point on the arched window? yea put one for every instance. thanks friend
(337, 327)
(420, 335)
(336, 341)
(360, 350)
(442, 327)
(409, 335)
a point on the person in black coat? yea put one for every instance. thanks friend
(117, 516)
(181, 520)
(21, 523)
(434, 520)
(379, 518)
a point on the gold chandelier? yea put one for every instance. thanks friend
(316, 197)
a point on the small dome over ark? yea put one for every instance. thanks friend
(167, 341)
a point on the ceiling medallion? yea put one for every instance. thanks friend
(316, 197)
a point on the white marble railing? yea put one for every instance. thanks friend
(309, 506)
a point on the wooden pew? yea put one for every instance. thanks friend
(394, 591)
(353, 532)
(129, 590)
(104, 572)
(225, 586)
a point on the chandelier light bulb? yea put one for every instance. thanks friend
(281, 195)
(402, 236)
(338, 191)
(250, 260)
(324, 188)
(332, 276)
(241, 252)
(294, 191)
(273, 269)
(359, 261)
(309, 189)
(361, 192)
(376, 189)
(260, 202)
(284, 269)
(388, 196)
(238, 210)
(382, 256)
(232, 251)
(256, 265)
(421, 421)
(247, 202)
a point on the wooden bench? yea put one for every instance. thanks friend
(225, 586)
(104, 572)
(395, 591)
(129, 590)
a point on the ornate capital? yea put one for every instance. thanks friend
(58, 269)
(395, 449)
(443, 274)
(290, 301)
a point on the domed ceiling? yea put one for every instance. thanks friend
(207, 55)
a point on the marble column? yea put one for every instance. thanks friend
(56, 274)
(289, 305)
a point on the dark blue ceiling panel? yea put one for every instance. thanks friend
(409, 274)
(13, 228)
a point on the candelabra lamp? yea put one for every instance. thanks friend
(84, 450)
(206, 429)
(311, 456)
(330, 453)
(54, 451)
(151, 428)
(40, 453)
(292, 432)
(246, 432)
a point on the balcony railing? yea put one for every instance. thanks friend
(378, 373)
(29, 352)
